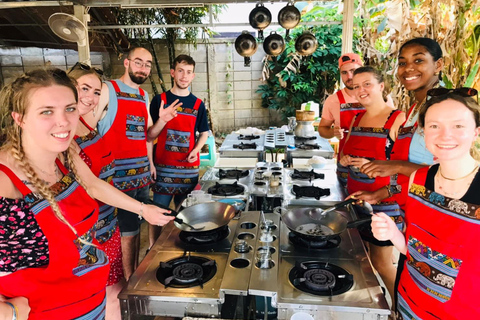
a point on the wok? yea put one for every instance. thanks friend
(210, 215)
(330, 225)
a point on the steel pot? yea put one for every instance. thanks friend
(274, 44)
(260, 18)
(330, 225)
(306, 44)
(246, 46)
(289, 17)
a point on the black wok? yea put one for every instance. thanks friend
(330, 225)
(210, 215)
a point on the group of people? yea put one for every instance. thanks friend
(76, 164)
(419, 171)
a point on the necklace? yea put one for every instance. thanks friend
(455, 179)
(461, 190)
(54, 174)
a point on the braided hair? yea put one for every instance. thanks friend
(15, 97)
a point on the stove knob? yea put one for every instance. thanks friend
(241, 246)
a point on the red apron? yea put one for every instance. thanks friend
(348, 111)
(441, 273)
(370, 143)
(127, 137)
(72, 285)
(98, 156)
(400, 151)
(175, 175)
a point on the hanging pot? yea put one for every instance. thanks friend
(289, 17)
(260, 18)
(274, 44)
(246, 46)
(306, 44)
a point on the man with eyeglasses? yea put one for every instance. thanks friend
(177, 156)
(124, 122)
(340, 108)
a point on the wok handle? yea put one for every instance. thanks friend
(356, 223)
(279, 210)
(172, 213)
(343, 204)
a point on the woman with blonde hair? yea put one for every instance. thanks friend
(96, 153)
(48, 252)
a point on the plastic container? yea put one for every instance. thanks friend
(211, 158)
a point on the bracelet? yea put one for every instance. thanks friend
(14, 308)
(388, 190)
(140, 214)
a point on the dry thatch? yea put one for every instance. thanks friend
(451, 22)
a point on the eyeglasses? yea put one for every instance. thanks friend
(464, 92)
(86, 67)
(141, 64)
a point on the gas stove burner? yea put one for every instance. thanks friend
(276, 173)
(276, 168)
(261, 168)
(248, 137)
(232, 174)
(243, 146)
(186, 272)
(307, 146)
(306, 175)
(259, 183)
(226, 189)
(320, 278)
(205, 237)
(310, 244)
(297, 138)
(309, 192)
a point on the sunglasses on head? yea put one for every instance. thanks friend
(86, 67)
(347, 58)
(463, 92)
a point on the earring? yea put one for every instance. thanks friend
(436, 74)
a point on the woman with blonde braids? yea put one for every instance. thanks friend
(49, 260)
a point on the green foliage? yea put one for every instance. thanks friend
(315, 76)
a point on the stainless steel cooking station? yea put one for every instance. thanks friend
(299, 147)
(364, 300)
(257, 256)
(146, 295)
(243, 146)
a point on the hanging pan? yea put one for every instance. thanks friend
(289, 17)
(246, 46)
(306, 44)
(274, 44)
(260, 18)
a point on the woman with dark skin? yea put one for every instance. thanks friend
(419, 64)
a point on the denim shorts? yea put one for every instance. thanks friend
(128, 222)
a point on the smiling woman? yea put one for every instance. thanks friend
(50, 260)
(371, 135)
(97, 154)
(440, 272)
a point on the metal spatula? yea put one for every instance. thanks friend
(178, 220)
